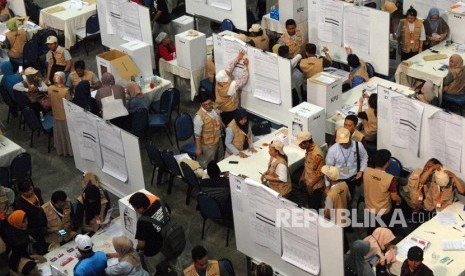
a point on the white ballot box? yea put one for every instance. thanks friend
(325, 90)
(182, 24)
(129, 216)
(456, 23)
(307, 117)
(140, 53)
(191, 49)
(293, 9)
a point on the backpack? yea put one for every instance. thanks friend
(174, 239)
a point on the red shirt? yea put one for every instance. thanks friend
(166, 51)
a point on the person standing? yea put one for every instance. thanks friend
(411, 34)
(57, 59)
(160, 17)
(80, 73)
(436, 29)
(277, 175)
(292, 38)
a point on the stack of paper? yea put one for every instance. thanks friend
(413, 241)
(453, 245)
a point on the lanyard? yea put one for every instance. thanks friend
(56, 211)
(348, 155)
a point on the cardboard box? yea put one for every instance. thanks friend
(191, 51)
(139, 52)
(325, 90)
(295, 9)
(117, 63)
(307, 117)
(182, 24)
(129, 216)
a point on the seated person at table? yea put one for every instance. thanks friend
(292, 38)
(381, 244)
(92, 204)
(9, 78)
(238, 135)
(166, 49)
(15, 41)
(350, 123)
(410, 34)
(83, 98)
(201, 265)
(7, 198)
(57, 59)
(129, 260)
(313, 64)
(454, 83)
(217, 187)
(30, 201)
(414, 265)
(136, 99)
(90, 262)
(297, 78)
(259, 37)
(5, 13)
(436, 29)
(34, 88)
(277, 175)
(354, 260)
(60, 216)
(207, 131)
(369, 117)
(109, 87)
(441, 192)
(358, 71)
(80, 73)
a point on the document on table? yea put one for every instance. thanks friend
(443, 141)
(262, 216)
(325, 79)
(330, 24)
(446, 218)
(357, 22)
(406, 123)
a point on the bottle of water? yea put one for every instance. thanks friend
(141, 82)
(41, 116)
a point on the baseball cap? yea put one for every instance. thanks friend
(160, 37)
(415, 254)
(30, 71)
(342, 135)
(255, 28)
(83, 242)
(303, 136)
(51, 39)
(277, 145)
(441, 177)
(331, 172)
(390, 7)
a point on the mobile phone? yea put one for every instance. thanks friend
(444, 260)
(233, 162)
(20, 69)
(434, 51)
(62, 232)
(374, 259)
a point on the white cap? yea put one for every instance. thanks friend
(30, 71)
(331, 172)
(51, 39)
(83, 242)
(441, 177)
(278, 145)
(255, 28)
(303, 136)
(160, 37)
(222, 76)
(342, 135)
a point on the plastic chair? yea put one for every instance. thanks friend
(191, 180)
(12, 106)
(157, 162)
(176, 99)
(5, 177)
(161, 120)
(184, 130)
(91, 31)
(227, 25)
(172, 168)
(226, 266)
(210, 209)
(395, 167)
(35, 124)
(370, 69)
(453, 100)
(140, 121)
(21, 167)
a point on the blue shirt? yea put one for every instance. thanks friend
(93, 265)
(356, 80)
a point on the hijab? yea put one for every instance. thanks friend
(134, 90)
(458, 61)
(12, 25)
(82, 94)
(9, 77)
(433, 23)
(92, 198)
(458, 84)
(16, 219)
(241, 114)
(125, 248)
(355, 258)
(108, 79)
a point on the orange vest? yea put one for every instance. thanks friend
(370, 126)
(56, 95)
(17, 40)
(261, 42)
(59, 56)
(239, 137)
(283, 188)
(311, 66)
(438, 197)
(339, 195)
(223, 100)
(413, 191)
(312, 169)
(75, 79)
(361, 71)
(210, 129)
(376, 187)
(294, 47)
(410, 41)
(55, 223)
(213, 269)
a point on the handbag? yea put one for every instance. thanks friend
(113, 108)
(261, 128)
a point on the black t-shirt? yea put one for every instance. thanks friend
(160, 5)
(149, 233)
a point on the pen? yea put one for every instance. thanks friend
(262, 148)
(460, 217)
(450, 261)
(456, 229)
(434, 69)
(430, 232)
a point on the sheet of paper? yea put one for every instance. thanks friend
(114, 164)
(446, 218)
(325, 79)
(238, 191)
(111, 137)
(313, 12)
(180, 157)
(232, 47)
(115, 16)
(330, 21)
(406, 123)
(131, 25)
(266, 71)
(300, 252)
(443, 141)
(222, 4)
(357, 22)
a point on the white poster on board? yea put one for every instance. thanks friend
(357, 22)
(266, 70)
(114, 161)
(330, 21)
(222, 4)
(232, 47)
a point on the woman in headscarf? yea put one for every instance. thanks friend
(15, 41)
(57, 92)
(436, 28)
(83, 98)
(129, 260)
(238, 135)
(354, 260)
(109, 87)
(277, 176)
(454, 83)
(136, 98)
(381, 244)
(9, 77)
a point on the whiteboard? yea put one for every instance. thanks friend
(330, 241)
(18, 7)
(378, 54)
(135, 180)
(409, 160)
(423, 6)
(237, 14)
(112, 41)
(277, 113)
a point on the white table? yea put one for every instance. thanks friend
(169, 69)
(442, 232)
(102, 242)
(8, 151)
(351, 97)
(417, 68)
(30, 28)
(68, 20)
(258, 162)
(155, 93)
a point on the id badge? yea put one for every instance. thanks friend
(345, 170)
(438, 205)
(420, 198)
(412, 41)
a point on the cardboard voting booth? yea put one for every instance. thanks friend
(182, 24)
(307, 117)
(117, 63)
(129, 216)
(139, 52)
(325, 90)
(191, 49)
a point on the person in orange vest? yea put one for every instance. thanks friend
(201, 265)
(411, 34)
(57, 59)
(292, 38)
